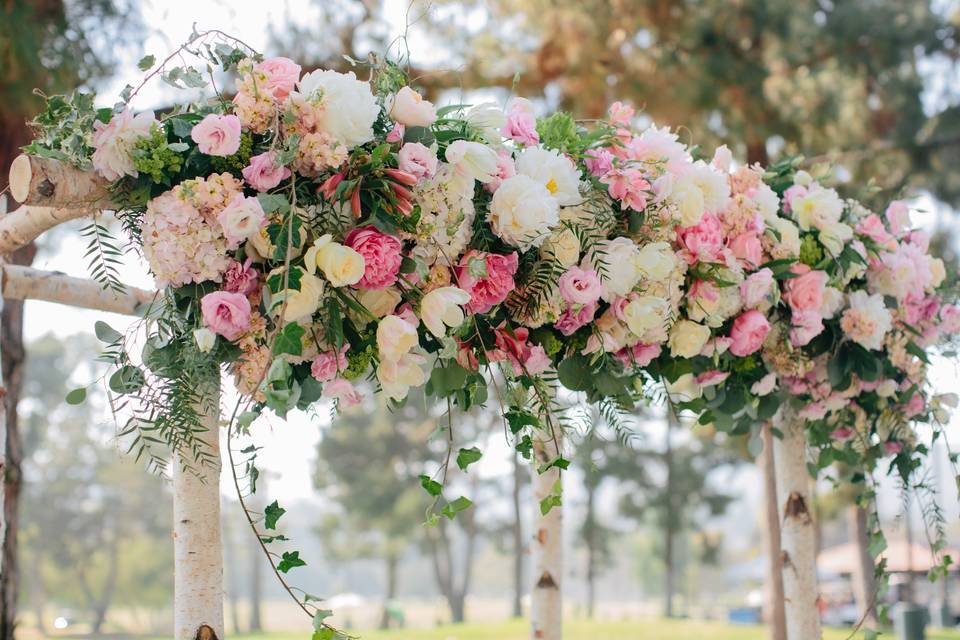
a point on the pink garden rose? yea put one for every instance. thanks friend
(343, 391)
(580, 286)
(748, 332)
(226, 313)
(805, 326)
(417, 159)
(487, 277)
(396, 134)
(282, 76)
(263, 172)
(521, 122)
(381, 255)
(805, 292)
(217, 135)
(639, 354)
(747, 248)
(756, 288)
(572, 320)
(241, 278)
(898, 216)
(702, 242)
(328, 364)
(872, 227)
(240, 219)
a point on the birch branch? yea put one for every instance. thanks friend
(26, 283)
(51, 183)
(24, 225)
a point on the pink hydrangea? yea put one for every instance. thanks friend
(748, 333)
(281, 75)
(217, 135)
(263, 173)
(580, 286)
(226, 313)
(487, 277)
(328, 364)
(381, 254)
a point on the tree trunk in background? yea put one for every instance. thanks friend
(258, 502)
(517, 538)
(546, 603)
(774, 615)
(797, 533)
(233, 583)
(391, 563)
(864, 585)
(197, 551)
(668, 528)
(591, 524)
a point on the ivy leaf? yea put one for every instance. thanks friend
(466, 457)
(290, 560)
(430, 485)
(146, 62)
(559, 462)
(453, 508)
(289, 340)
(77, 396)
(272, 514)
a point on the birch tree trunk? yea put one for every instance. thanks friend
(546, 603)
(797, 534)
(864, 585)
(197, 551)
(774, 591)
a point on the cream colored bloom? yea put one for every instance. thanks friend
(684, 388)
(341, 265)
(656, 261)
(687, 339)
(379, 302)
(410, 109)
(441, 308)
(349, 108)
(834, 235)
(397, 376)
(617, 262)
(472, 160)
(554, 171)
(522, 212)
(645, 313)
(205, 339)
(688, 198)
(937, 272)
(301, 304)
(395, 337)
(816, 208)
(562, 246)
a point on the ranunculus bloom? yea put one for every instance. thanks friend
(226, 313)
(240, 219)
(263, 172)
(748, 333)
(487, 277)
(521, 122)
(417, 160)
(329, 364)
(410, 109)
(580, 286)
(441, 308)
(805, 292)
(381, 256)
(241, 278)
(217, 135)
(282, 75)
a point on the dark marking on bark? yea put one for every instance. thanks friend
(205, 632)
(46, 188)
(796, 509)
(546, 581)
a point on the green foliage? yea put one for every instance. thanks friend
(64, 129)
(235, 163)
(811, 252)
(157, 158)
(290, 560)
(558, 131)
(272, 514)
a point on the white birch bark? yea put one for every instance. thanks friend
(797, 534)
(27, 223)
(773, 596)
(51, 183)
(546, 602)
(27, 283)
(197, 550)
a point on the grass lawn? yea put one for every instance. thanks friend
(582, 630)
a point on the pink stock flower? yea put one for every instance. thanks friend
(599, 161)
(756, 288)
(343, 391)
(381, 255)
(217, 135)
(630, 186)
(241, 278)
(805, 326)
(572, 319)
(417, 160)
(748, 333)
(487, 277)
(282, 76)
(805, 292)
(328, 364)
(702, 242)
(521, 123)
(580, 286)
(263, 173)
(226, 313)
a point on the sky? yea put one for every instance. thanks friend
(289, 456)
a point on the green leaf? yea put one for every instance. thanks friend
(319, 617)
(289, 560)
(126, 379)
(106, 333)
(548, 503)
(272, 514)
(453, 508)
(448, 379)
(430, 485)
(289, 340)
(146, 62)
(466, 457)
(272, 202)
(77, 396)
(575, 373)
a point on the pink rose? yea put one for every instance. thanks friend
(892, 448)
(282, 75)
(241, 278)
(537, 361)
(580, 286)
(804, 292)
(521, 123)
(263, 172)
(381, 255)
(572, 320)
(226, 313)
(240, 219)
(756, 288)
(505, 169)
(898, 216)
(217, 135)
(804, 327)
(644, 354)
(765, 385)
(872, 227)
(417, 159)
(343, 392)
(702, 242)
(748, 333)
(747, 249)
(396, 134)
(487, 277)
(328, 364)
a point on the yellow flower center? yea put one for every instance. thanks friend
(552, 186)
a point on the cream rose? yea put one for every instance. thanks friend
(522, 212)
(656, 261)
(562, 246)
(341, 265)
(395, 337)
(617, 262)
(397, 376)
(349, 108)
(379, 302)
(301, 304)
(645, 313)
(687, 339)
(441, 308)
(410, 109)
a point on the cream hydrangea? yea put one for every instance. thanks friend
(446, 217)
(523, 212)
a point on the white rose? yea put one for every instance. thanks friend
(834, 235)
(562, 246)
(205, 339)
(554, 171)
(395, 337)
(645, 313)
(341, 265)
(300, 304)
(410, 109)
(617, 262)
(656, 261)
(522, 212)
(832, 301)
(817, 207)
(440, 309)
(242, 218)
(687, 339)
(472, 160)
(688, 198)
(397, 376)
(489, 119)
(350, 109)
(379, 302)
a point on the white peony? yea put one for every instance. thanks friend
(687, 197)
(618, 263)
(523, 213)
(472, 160)
(554, 171)
(349, 107)
(441, 308)
(712, 184)
(767, 200)
(656, 261)
(113, 143)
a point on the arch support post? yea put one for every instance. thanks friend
(546, 599)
